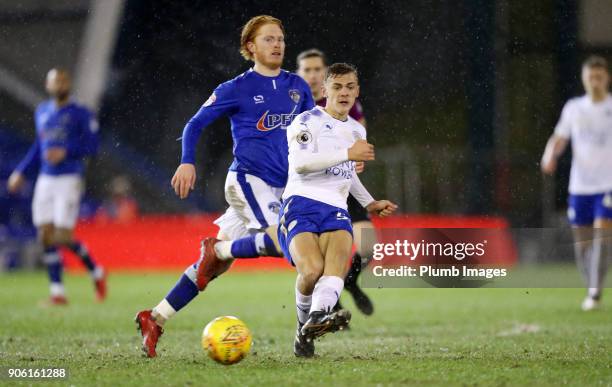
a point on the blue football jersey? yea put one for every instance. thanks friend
(72, 127)
(260, 109)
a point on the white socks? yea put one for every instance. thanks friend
(326, 293)
(56, 289)
(164, 309)
(302, 304)
(223, 249)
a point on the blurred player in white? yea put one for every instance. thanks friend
(586, 121)
(66, 133)
(311, 65)
(315, 230)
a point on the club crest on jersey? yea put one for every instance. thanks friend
(295, 95)
(272, 121)
(304, 137)
(210, 100)
(356, 135)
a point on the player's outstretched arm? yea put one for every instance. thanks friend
(382, 207)
(555, 147)
(15, 182)
(184, 180)
(222, 102)
(17, 178)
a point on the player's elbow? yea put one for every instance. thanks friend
(302, 168)
(300, 165)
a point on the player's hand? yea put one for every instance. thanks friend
(549, 166)
(382, 207)
(55, 155)
(360, 166)
(361, 151)
(184, 180)
(15, 182)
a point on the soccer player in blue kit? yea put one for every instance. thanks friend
(66, 133)
(260, 103)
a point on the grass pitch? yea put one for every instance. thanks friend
(415, 337)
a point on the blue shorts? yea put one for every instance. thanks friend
(584, 209)
(299, 214)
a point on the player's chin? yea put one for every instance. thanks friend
(274, 60)
(343, 107)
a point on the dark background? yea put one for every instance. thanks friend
(460, 96)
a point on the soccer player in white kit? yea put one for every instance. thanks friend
(315, 230)
(587, 122)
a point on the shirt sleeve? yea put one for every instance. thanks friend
(223, 101)
(31, 158)
(86, 143)
(360, 192)
(564, 126)
(304, 155)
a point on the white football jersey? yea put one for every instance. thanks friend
(319, 168)
(589, 126)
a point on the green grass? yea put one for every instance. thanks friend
(415, 337)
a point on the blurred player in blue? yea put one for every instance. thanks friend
(312, 65)
(586, 122)
(315, 231)
(66, 133)
(260, 103)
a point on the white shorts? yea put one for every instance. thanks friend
(57, 200)
(253, 205)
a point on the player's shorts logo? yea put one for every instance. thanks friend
(304, 137)
(210, 100)
(341, 216)
(295, 95)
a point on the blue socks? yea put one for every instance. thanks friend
(79, 249)
(184, 290)
(253, 246)
(53, 261)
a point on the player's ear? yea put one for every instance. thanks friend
(357, 90)
(251, 47)
(324, 89)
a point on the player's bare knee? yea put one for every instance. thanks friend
(310, 270)
(63, 236)
(45, 235)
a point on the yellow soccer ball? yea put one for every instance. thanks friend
(227, 340)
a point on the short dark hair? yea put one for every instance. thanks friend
(312, 53)
(340, 69)
(595, 61)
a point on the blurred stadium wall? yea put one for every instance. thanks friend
(460, 96)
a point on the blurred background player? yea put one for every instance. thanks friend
(586, 121)
(260, 103)
(120, 206)
(311, 65)
(66, 133)
(315, 227)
